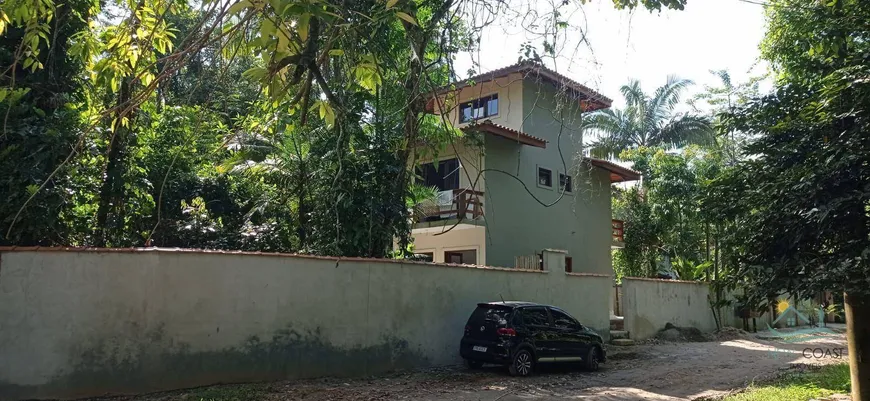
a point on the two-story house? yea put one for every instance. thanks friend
(517, 182)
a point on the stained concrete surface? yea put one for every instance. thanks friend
(84, 323)
(651, 371)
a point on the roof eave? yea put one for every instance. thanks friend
(592, 99)
(617, 172)
(507, 133)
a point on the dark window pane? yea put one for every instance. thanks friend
(444, 177)
(468, 257)
(490, 313)
(545, 177)
(562, 320)
(535, 317)
(565, 182)
(450, 172)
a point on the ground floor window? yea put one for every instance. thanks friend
(468, 257)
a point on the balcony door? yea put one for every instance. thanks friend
(443, 175)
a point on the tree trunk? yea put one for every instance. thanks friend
(111, 190)
(858, 336)
(707, 244)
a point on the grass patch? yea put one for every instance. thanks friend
(238, 392)
(813, 382)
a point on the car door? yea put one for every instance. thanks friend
(537, 328)
(572, 344)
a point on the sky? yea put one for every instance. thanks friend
(707, 35)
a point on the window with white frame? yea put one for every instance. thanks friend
(477, 109)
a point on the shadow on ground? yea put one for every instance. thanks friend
(661, 371)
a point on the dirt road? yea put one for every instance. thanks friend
(660, 371)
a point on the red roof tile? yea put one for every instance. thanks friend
(530, 69)
(509, 133)
(617, 172)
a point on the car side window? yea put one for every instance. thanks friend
(563, 320)
(535, 316)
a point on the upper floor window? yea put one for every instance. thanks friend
(479, 108)
(443, 175)
(565, 182)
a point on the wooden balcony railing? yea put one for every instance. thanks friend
(465, 204)
(618, 230)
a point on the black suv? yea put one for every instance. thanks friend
(522, 334)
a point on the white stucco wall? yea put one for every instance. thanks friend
(510, 100)
(86, 323)
(459, 238)
(650, 304)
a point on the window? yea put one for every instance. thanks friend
(562, 320)
(535, 316)
(490, 313)
(468, 257)
(486, 106)
(569, 264)
(545, 177)
(565, 183)
(443, 175)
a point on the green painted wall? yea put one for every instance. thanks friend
(516, 223)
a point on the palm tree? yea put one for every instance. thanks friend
(647, 121)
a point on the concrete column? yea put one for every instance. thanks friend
(554, 260)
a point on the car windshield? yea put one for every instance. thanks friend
(494, 314)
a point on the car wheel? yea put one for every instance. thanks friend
(473, 364)
(522, 364)
(592, 359)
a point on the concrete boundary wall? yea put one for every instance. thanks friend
(77, 323)
(649, 304)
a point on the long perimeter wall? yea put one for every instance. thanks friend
(79, 323)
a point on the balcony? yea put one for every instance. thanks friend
(617, 232)
(451, 207)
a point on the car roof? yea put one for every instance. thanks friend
(513, 304)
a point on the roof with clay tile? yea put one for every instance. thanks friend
(532, 70)
(508, 133)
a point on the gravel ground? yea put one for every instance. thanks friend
(654, 370)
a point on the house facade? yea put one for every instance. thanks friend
(516, 182)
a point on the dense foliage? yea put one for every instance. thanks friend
(669, 230)
(801, 197)
(282, 125)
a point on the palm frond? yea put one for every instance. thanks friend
(686, 129)
(668, 96)
(633, 93)
(613, 131)
(605, 122)
(605, 148)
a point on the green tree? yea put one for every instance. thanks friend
(647, 121)
(722, 99)
(39, 123)
(666, 215)
(801, 198)
(175, 93)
